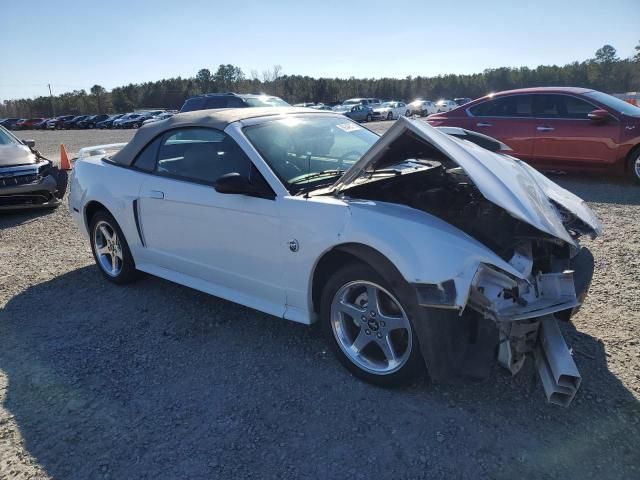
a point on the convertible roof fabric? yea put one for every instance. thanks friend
(215, 118)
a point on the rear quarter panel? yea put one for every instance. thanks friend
(112, 186)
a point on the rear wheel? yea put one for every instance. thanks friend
(368, 328)
(634, 166)
(110, 249)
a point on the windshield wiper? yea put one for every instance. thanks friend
(323, 173)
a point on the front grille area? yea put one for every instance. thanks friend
(10, 181)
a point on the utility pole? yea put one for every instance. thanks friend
(53, 110)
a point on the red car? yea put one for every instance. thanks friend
(557, 128)
(28, 124)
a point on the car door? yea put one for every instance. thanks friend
(567, 138)
(358, 113)
(507, 118)
(227, 244)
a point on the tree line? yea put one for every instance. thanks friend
(605, 71)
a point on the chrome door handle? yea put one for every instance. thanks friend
(156, 194)
(483, 124)
(545, 129)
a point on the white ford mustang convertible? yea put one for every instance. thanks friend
(420, 248)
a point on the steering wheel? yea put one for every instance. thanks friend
(344, 157)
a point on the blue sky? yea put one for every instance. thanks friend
(76, 44)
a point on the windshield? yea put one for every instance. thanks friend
(614, 103)
(265, 102)
(310, 151)
(388, 104)
(6, 138)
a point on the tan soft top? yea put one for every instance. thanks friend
(217, 118)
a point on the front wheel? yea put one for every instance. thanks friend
(390, 116)
(369, 118)
(634, 166)
(368, 328)
(110, 249)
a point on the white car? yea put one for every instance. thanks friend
(367, 102)
(422, 108)
(157, 118)
(416, 248)
(391, 111)
(27, 179)
(445, 105)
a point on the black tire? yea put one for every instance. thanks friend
(390, 116)
(128, 272)
(413, 366)
(633, 166)
(369, 117)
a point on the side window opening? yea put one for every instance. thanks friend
(200, 154)
(511, 106)
(146, 159)
(561, 106)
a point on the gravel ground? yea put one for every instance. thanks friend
(155, 380)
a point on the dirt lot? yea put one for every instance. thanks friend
(156, 380)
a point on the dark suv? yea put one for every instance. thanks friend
(231, 100)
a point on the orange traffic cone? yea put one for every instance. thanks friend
(65, 164)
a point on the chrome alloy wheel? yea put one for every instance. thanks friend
(371, 327)
(108, 249)
(636, 166)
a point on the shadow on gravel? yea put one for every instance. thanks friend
(155, 380)
(10, 219)
(600, 189)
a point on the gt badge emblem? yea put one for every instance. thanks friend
(294, 245)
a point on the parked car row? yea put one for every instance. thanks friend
(103, 120)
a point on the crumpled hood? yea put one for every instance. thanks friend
(503, 180)
(12, 154)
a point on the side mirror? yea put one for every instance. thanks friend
(599, 116)
(29, 143)
(238, 184)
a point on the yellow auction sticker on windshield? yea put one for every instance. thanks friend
(349, 127)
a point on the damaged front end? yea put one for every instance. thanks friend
(37, 185)
(27, 179)
(526, 313)
(531, 224)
